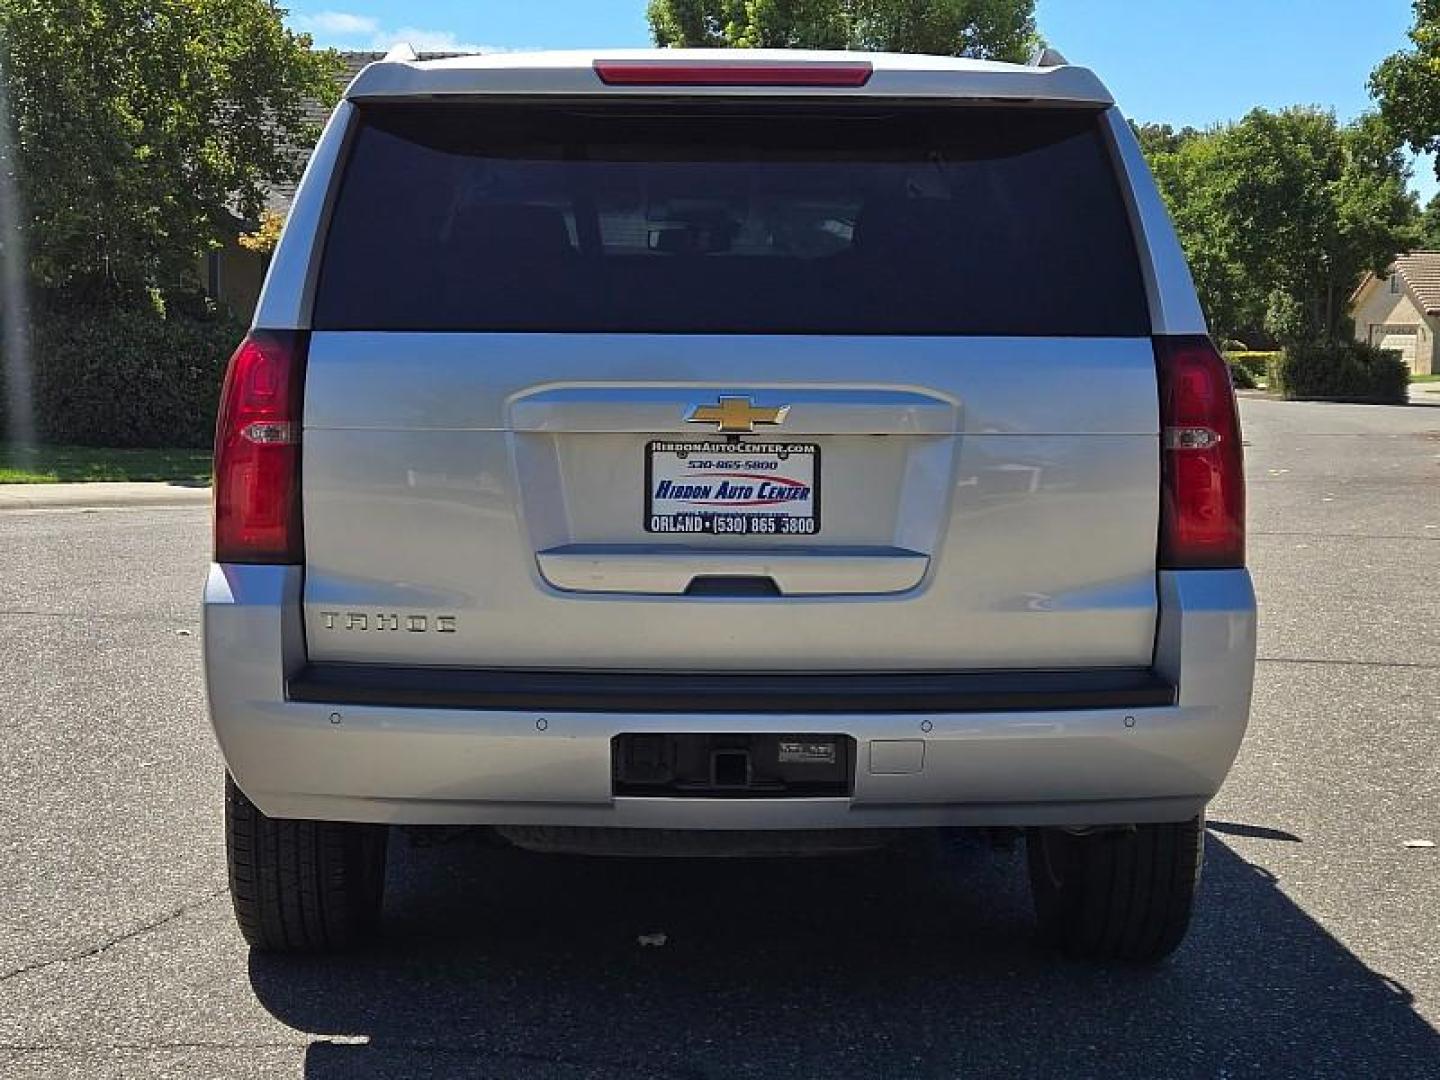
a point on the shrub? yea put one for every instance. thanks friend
(1255, 362)
(1342, 371)
(129, 377)
(1240, 375)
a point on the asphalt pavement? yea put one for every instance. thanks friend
(1315, 949)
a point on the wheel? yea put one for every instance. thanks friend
(1118, 894)
(302, 886)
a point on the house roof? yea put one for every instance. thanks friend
(1420, 270)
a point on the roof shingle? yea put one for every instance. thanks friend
(1420, 270)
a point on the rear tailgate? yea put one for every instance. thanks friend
(533, 323)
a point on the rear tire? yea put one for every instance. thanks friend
(1120, 894)
(302, 886)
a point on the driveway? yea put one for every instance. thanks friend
(1315, 951)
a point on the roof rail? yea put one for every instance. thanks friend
(1045, 56)
(399, 53)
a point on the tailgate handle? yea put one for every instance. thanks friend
(732, 585)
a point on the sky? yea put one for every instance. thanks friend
(1195, 62)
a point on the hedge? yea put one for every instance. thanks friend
(1240, 376)
(128, 378)
(1255, 362)
(1345, 371)
(1248, 367)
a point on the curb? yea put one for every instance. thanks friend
(99, 496)
(1426, 398)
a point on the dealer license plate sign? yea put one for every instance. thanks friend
(740, 489)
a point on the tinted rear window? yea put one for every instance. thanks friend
(670, 219)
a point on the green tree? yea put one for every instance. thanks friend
(1429, 226)
(989, 29)
(1407, 84)
(145, 127)
(1158, 139)
(266, 237)
(1188, 173)
(1282, 213)
(1377, 217)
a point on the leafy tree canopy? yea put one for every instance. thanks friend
(990, 29)
(1162, 138)
(145, 128)
(1407, 84)
(1282, 213)
(1430, 225)
(264, 239)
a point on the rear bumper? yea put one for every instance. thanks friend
(727, 692)
(388, 758)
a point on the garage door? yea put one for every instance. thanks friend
(1400, 340)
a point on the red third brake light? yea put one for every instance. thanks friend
(732, 73)
(1202, 510)
(257, 451)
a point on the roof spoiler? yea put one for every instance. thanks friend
(1045, 56)
(910, 76)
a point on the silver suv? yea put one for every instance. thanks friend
(701, 452)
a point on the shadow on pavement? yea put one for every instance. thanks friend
(918, 962)
(1259, 832)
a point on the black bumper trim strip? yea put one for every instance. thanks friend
(539, 690)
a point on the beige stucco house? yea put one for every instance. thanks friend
(1401, 310)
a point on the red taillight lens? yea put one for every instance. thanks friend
(732, 73)
(257, 451)
(1202, 507)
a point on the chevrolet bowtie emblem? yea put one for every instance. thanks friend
(737, 414)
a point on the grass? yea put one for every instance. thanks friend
(1425, 378)
(86, 464)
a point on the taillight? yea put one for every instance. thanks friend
(1202, 504)
(732, 73)
(257, 451)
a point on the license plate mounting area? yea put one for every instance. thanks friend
(737, 489)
